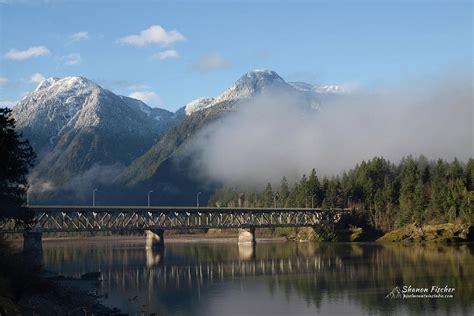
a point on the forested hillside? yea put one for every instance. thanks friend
(412, 191)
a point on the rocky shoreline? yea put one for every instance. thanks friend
(448, 232)
(438, 233)
(62, 296)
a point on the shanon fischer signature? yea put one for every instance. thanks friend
(408, 291)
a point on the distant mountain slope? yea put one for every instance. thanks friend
(75, 125)
(159, 168)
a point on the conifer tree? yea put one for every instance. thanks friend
(16, 158)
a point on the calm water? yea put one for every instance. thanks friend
(275, 278)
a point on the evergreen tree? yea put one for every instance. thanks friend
(469, 175)
(16, 158)
(283, 193)
(409, 178)
(420, 200)
(379, 206)
(390, 204)
(314, 188)
(302, 193)
(268, 196)
(438, 198)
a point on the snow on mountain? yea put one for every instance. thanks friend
(248, 85)
(198, 105)
(58, 105)
(257, 81)
(156, 114)
(52, 105)
(321, 89)
(76, 126)
(251, 83)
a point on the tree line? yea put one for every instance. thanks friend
(415, 190)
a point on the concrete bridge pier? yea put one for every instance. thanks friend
(33, 247)
(247, 235)
(154, 239)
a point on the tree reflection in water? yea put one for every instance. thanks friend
(183, 277)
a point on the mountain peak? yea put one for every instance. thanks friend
(252, 83)
(259, 76)
(66, 83)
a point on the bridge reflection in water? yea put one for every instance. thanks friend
(133, 266)
(196, 274)
(183, 278)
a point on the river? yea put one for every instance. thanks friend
(274, 278)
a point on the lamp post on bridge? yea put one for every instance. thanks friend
(149, 192)
(93, 196)
(197, 198)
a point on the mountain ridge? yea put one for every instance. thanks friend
(74, 125)
(77, 126)
(148, 172)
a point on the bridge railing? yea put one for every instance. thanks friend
(72, 218)
(107, 208)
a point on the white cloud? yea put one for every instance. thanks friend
(155, 34)
(37, 78)
(72, 59)
(79, 36)
(170, 53)
(149, 97)
(210, 62)
(3, 81)
(31, 52)
(8, 103)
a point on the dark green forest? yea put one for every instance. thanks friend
(415, 190)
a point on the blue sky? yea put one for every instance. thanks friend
(197, 48)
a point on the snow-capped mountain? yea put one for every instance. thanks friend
(258, 81)
(42, 113)
(61, 104)
(74, 124)
(79, 130)
(250, 84)
(157, 167)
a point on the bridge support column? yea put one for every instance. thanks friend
(33, 247)
(154, 239)
(247, 235)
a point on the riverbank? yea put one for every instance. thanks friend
(65, 296)
(447, 232)
(438, 233)
(29, 290)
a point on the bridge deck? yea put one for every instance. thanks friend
(77, 218)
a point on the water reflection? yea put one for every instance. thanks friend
(247, 251)
(153, 257)
(275, 278)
